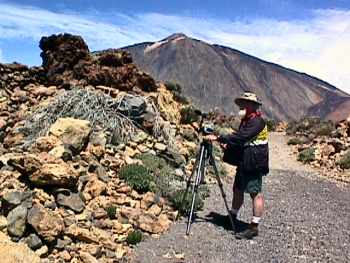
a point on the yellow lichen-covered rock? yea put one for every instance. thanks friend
(168, 107)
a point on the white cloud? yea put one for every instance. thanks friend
(318, 46)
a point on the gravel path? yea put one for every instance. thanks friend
(307, 219)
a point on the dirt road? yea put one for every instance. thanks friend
(307, 219)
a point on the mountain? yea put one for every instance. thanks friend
(213, 75)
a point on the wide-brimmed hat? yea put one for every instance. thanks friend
(247, 96)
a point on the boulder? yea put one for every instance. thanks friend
(155, 210)
(70, 200)
(42, 252)
(46, 222)
(16, 221)
(62, 152)
(153, 224)
(33, 241)
(147, 200)
(14, 198)
(132, 214)
(81, 234)
(47, 143)
(94, 188)
(72, 132)
(132, 106)
(55, 174)
(92, 235)
(160, 146)
(167, 105)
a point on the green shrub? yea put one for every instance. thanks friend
(189, 135)
(307, 155)
(184, 205)
(151, 161)
(111, 211)
(188, 115)
(137, 176)
(134, 237)
(305, 125)
(271, 125)
(311, 126)
(295, 141)
(163, 174)
(344, 162)
(173, 86)
(176, 90)
(325, 129)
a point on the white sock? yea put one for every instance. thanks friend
(256, 219)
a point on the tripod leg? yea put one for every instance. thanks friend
(212, 161)
(199, 170)
(188, 183)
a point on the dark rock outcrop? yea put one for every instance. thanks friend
(67, 60)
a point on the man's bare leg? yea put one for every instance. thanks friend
(237, 201)
(258, 207)
(258, 210)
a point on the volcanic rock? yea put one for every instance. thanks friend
(33, 241)
(14, 198)
(70, 200)
(46, 223)
(67, 60)
(72, 132)
(16, 221)
(55, 174)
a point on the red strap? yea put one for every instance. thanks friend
(250, 116)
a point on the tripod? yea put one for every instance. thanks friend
(203, 159)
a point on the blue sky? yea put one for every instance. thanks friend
(311, 36)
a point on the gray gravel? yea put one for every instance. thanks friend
(307, 219)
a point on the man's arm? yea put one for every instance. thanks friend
(244, 134)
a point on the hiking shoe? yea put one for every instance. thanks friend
(249, 233)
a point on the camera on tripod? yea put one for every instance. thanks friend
(205, 126)
(204, 158)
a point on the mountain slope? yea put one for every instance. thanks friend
(212, 75)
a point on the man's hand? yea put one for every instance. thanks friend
(211, 137)
(223, 145)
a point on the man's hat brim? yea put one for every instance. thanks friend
(240, 101)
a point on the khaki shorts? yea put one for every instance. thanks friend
(248, 182)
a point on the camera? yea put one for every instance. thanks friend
(205, 126)
(208, 128)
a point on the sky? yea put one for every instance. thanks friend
(310, 36)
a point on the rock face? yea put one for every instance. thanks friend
(212, 75)
(45, 222)
(66, 58)
(11, 252)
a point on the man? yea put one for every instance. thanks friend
(253, 165)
